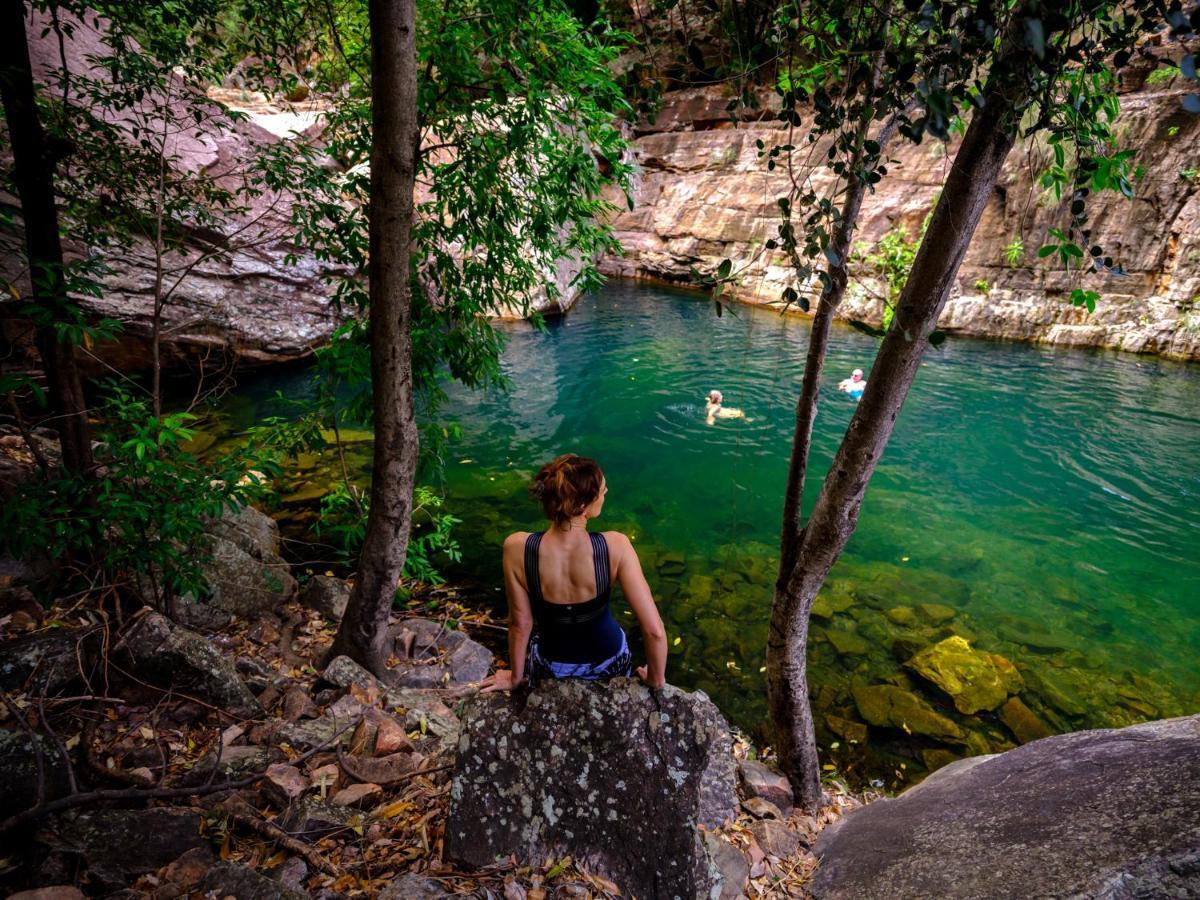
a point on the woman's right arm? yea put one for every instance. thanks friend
(628, 570)
(520, 617)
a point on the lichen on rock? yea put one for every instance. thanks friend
(615, 775)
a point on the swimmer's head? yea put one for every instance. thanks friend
(715, 397)
(856, 375)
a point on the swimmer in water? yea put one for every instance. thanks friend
(714, 410)
(854, 385)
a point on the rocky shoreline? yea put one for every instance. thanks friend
(704, 195)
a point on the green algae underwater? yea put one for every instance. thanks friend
(1025, 560)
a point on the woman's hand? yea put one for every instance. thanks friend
(501, 681)
(643, 673)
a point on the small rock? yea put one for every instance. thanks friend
(936, 757)
(235, 763)
(50, 659)
(229, 879)
(358, 796)
(390, 736)
(311, 819)
(761, 809)
(847, 643)
(731, 863)
(292, 873)
(902, 615)
(775, 838)
(297, 704)
(382, 769)
(413, 887)
(855, 732)
(936, 613)
(55, 892)
(327, 595)
(758, 780)
(189, 869)
(284, 783)
(1022, 721)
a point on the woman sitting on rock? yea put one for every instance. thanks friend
(561, 580)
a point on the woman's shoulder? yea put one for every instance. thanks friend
(617, 540)
(514, 544)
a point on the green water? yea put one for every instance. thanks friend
(1047, 497)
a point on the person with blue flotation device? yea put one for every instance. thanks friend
(854, 385)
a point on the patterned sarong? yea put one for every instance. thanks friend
(621, 663)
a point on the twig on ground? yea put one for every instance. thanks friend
(42, 809)
(241, 811)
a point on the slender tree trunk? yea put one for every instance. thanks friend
(363, 631)
(33, 174)
(835, 515)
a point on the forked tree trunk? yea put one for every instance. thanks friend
(972, 177)
(33, 174)
(363, 631)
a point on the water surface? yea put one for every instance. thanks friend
(1038, 502)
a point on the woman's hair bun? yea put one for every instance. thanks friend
(567, 486)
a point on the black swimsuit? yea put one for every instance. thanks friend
(575, 640)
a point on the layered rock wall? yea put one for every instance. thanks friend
(704, 195)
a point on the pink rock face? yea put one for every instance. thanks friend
(704, 195)
(252, 306)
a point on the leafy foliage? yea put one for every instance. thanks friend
(343, 521)
(141, 519)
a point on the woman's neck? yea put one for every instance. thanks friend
(571, 526)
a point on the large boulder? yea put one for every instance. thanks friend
(614, 775)
(245, 574)
(116, 844)
(19, 751)
(169, 655)
(1112, 813)
(266, 300)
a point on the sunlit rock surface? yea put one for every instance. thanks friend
(704, 195)
(1113, 813)
(616, 776)
(265, 301)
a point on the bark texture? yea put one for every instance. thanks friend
(33, 176)
(363, 632)
(835, 514)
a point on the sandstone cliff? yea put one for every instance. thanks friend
(704, 195)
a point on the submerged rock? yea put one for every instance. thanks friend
(893, 707)
(1022, 721)
(974, 680)
(1112, 814)
(614, 775)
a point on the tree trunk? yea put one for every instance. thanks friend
(363, 631)
(968, 187)
(33, 174)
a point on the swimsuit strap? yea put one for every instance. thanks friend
(533, 580)
(600, 561)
